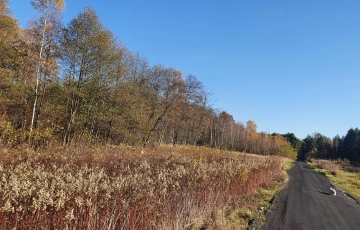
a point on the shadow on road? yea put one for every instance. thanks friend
(325, 193)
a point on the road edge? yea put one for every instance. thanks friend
(344, 192)
(336, 186)
(258, 222)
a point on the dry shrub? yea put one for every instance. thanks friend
(343, 162)
(328, 165)
(122, 187)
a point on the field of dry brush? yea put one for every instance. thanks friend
(128, 188)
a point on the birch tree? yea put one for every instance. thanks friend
(45, 30)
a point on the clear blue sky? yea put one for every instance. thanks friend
(291, 66)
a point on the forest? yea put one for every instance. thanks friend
(78, 83)
(320, 146)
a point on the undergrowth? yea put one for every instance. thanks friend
(122, 187)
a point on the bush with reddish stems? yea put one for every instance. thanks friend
(121, 187)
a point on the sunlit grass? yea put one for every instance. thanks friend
(346, 177)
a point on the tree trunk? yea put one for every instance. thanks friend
(33, 120)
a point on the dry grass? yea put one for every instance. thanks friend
(331, 166)
(128, 188)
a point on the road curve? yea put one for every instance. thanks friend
(306, 203)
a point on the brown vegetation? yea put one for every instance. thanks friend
(326, 164)
(128, 188)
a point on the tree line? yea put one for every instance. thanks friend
(77, 83)
(320, 146)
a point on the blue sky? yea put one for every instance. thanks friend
(291, 66)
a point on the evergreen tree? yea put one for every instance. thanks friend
(307, 147)
(351, 145)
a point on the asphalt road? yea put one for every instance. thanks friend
(306, 203)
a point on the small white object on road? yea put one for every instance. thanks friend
(332, 191)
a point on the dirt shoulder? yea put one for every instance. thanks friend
(306, 203)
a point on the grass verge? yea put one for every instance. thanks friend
(253, 214)
(342, 174)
